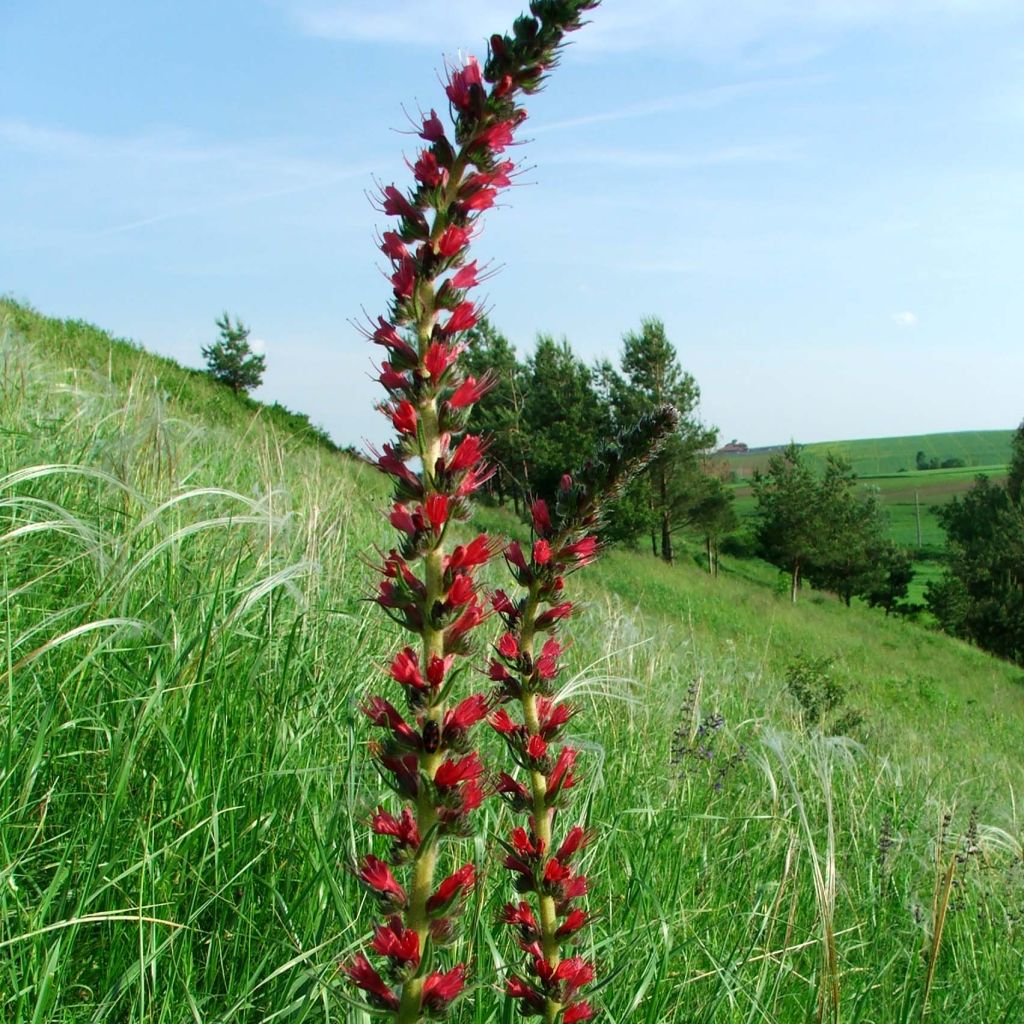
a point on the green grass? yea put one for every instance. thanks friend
(184, 778)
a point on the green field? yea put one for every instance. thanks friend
(889, 456)
(184, 777)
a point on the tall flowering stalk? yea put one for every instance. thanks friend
(426, 587)
(541, 856)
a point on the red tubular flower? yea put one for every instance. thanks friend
(403, 830)
(378, 878)
(452, 773)
(404, 279)
(433, 129)
(577, 1012)
(393, 247)
(380, 995)
(460, 88)
(403, 416)
(554, 614)
(466, 277)
(427, 171)
(541, 517)
(541, 552)
(439, 990)
(453, 240)
(469, 392)
(405, 669)
(399, 944)
(451, 889)
(467, 713)
(397, 205)
(437, 511)
(463, 318)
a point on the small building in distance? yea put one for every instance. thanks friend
(734, 447)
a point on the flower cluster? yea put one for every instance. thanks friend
(544, 866)
(427, 586)
(542, 857)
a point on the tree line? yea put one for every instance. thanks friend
(550, 410)
(980, 596)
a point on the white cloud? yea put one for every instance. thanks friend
(905, 319)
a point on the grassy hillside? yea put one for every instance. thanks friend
(184, 777)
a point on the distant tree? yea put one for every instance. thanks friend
(714, 517)
(851, 532)
(499, 414)
(981, 595)
(562, 414)
(890, 580)
(651, 376)
(787, 516)
(231, 360)
(1015, 479)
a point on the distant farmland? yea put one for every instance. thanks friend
(882, 456)
(909, 495)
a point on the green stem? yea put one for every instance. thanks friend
(417, 918)
(542, 814)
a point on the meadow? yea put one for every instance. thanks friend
(184, 777)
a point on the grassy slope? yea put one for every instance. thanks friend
(183, 777)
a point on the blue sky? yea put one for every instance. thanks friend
(822, 199)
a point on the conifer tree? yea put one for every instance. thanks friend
(231, 360)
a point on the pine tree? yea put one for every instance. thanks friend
(231, 360)
(652, 377)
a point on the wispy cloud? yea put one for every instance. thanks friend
(690, 26)
(766, 153)
(905, 319)
(132, 182)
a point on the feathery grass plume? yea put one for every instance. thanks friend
(543, 862)
(427, 588)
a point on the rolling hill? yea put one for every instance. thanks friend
(185, 779)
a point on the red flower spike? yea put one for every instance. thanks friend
(365, 977)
